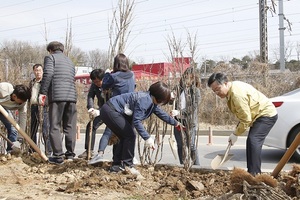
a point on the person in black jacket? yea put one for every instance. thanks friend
(58, 84)
(94, 91)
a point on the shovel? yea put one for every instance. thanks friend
(90, 139)
(172, 141)
(23, 133)
(16, 146)
(221, 158)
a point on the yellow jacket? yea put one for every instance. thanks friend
(248, 104)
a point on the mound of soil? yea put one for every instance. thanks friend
(28, 177)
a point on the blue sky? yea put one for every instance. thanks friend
(225, 28)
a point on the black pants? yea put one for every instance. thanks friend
(35, 122)
(123, 152)
(63, 115)
(256, 137)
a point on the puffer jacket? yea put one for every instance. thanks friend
(58, 81)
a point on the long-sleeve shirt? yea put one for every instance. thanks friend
(248, 104)
(6, 89)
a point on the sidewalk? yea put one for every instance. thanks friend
(207, 131)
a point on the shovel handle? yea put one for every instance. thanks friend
(226, 153)
(90, 139)
(23, 133)
(288, 154)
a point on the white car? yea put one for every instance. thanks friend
(288, 123)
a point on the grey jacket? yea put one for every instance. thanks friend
(58, 81)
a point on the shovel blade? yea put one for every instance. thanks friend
(217, 161)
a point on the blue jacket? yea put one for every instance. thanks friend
(141, 105)
(120, 82)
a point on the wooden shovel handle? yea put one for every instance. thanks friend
(23, 133)
(226, 153)
(89, 153)
(288, 154)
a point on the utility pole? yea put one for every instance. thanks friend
(281, 36)
(263, 32)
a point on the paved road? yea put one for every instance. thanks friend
(207, 151)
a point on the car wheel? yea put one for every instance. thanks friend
(291, 138)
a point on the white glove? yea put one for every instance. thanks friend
(232, 138)
(93, 112)
(149, 143)
(175, 113)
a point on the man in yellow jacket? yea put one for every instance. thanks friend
(253, 109)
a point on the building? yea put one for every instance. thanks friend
(158, 71)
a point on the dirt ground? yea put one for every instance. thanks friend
(28, 177)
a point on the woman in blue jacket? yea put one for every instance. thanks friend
(125, 112)
(121, 80)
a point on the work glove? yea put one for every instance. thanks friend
(232, 138)
(174, 113)
(42, 99)
(149, 143)
(93, 112)
(180, 127)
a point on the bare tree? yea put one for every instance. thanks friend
(119, 27)
(68, 39)
(20, 57)
(287, 51)
(98, 59)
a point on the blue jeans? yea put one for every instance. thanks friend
(104, 139)
(12, 133)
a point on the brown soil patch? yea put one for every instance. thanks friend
(27, 177)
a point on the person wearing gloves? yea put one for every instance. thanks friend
(127, 111)
(95, 91)
(121, 80)
(187, 101)
(253, 109)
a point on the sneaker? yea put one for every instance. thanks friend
(69, 158)
(133, 171)
(97, 158)
(84, 154)
(116, 169)
(56, 160)
(8, 156)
